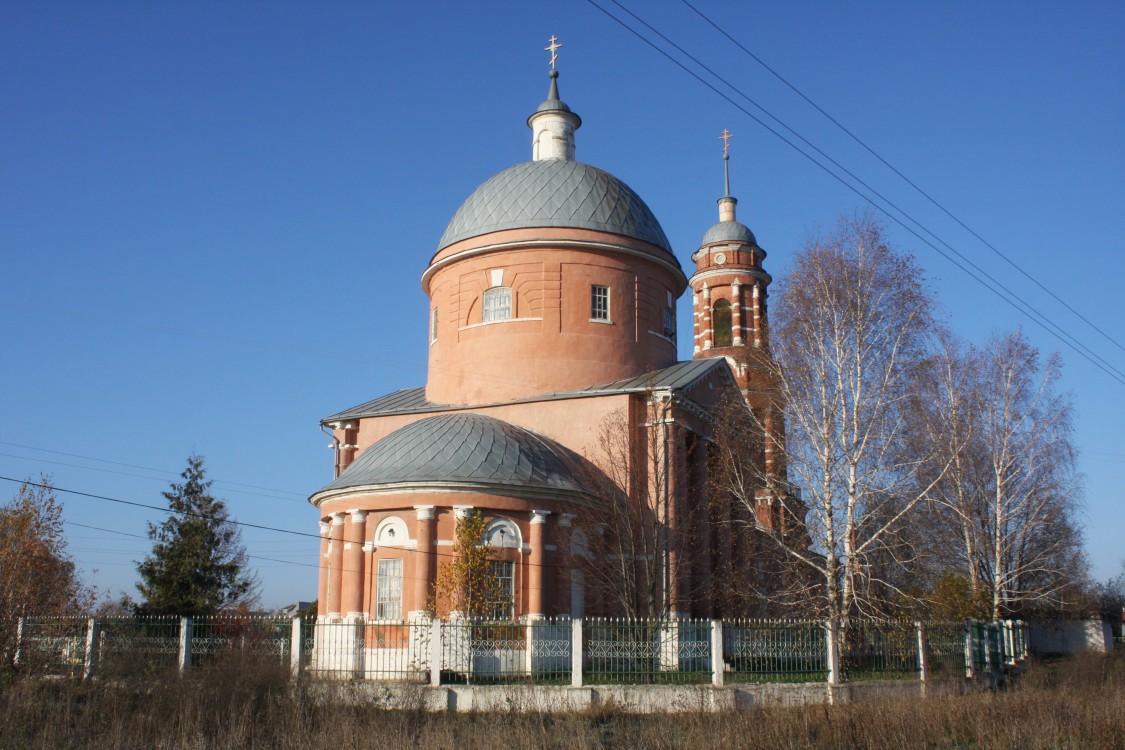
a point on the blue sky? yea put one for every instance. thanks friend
(214, 217)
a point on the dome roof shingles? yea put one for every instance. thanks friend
(464, 448)
(729, 231)
(555, 193)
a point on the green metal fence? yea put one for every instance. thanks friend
(367, 650)
(774, 651)
(477, 651)
(945, 649)
(535, 651)
(878, 649)
(137, 645)
(52, 645)
(219, 639)
(636, 651)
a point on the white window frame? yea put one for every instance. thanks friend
(433, 325)
(599, 303)
(505, 572)
(388, 588)
(497, 304)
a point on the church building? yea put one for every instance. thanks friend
(555, 407)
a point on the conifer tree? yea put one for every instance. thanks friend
(198, 563)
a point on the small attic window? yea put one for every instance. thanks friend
(497, 304)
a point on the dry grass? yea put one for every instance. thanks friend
(1074, 703)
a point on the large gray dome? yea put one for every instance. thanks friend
(464, 448)
(554, 193)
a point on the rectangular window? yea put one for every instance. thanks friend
(599, 302)
(497, 304)
(389, 595)
(670, 323)
(433, 325)
(504, 575)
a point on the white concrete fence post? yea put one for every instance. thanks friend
(923, 668)
(359, 648)
(969, 648)
(90, 658)
(832, 646)
(576, 652)
(296, 648)
(717, 663)
(185, 645)
(435, 652)
(989, 656)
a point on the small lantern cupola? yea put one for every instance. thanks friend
(553, 124)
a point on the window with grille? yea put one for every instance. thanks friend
(433, 325)
(497, 304)
(599, 302)
(389, 595)
(669, 323)
(504, 574)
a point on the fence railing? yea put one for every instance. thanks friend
(560, 651)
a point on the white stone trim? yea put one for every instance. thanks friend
(392, 531)
(561, 243)
(424, 512)
(496, 322)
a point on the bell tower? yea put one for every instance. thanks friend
(729, 305)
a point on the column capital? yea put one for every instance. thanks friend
(424, 512)
(337, 518)
(566, 519)
(539, 516)
(462, 511)
(325, 528)
(358, 515)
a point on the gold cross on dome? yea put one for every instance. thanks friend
(725, 138)
(553, 48)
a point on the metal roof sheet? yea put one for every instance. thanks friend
(729, 231)
(680, 376)
(464, 447)
(555, 193)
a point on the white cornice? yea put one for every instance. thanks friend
(541, 242)
(447, 487)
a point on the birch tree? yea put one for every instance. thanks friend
(1032, 549)
(1008, 499)
(851, 323)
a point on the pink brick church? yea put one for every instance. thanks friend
(552, 315)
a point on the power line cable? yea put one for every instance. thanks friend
(906, 179)
(134, 503)
(1028, 309)
(1006, 295)
(318, 537)
(138, 476)
(146, 468)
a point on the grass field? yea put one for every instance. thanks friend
(1068, 703)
